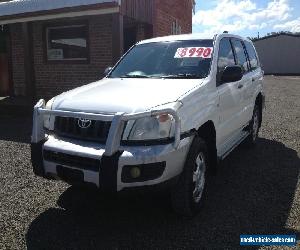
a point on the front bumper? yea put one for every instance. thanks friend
(106, 166)
(109, 175)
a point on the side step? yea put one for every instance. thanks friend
(237, 142)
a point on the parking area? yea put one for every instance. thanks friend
(256, 191)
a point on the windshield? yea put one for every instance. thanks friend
(179, 59)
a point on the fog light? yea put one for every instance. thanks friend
(135, 172)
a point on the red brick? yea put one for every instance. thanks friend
(52, 79)
(168, 11)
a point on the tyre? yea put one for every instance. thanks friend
(187, 195)
(254, 127)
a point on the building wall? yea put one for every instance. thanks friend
(279, 54)
(54, 78)
(17, 58)
(168, 11)
(4, 64)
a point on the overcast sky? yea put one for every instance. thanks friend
(246, 17)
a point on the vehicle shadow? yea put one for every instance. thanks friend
(251, 194)
(15, 128)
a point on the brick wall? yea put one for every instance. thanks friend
(52, 79)
(17, 58)
(140, 34)
(167, 11)
(144, 31)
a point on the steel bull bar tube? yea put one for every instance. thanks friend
(115, 133)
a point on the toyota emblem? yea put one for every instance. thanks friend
(84, 123)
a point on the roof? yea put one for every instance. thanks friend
(16, 7)
(276, 35)
(194, 36)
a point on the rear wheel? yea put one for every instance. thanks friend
(187, 194)
(254, 127)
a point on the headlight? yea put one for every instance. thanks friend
(150, 128)
(47, 118)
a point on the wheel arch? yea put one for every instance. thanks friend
(207, 132)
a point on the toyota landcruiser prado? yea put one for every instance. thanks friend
(167, 112)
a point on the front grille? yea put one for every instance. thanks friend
(72, 160)
(69, 127)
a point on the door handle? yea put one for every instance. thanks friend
(240, 86)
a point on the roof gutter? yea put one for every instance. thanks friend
(89, 10)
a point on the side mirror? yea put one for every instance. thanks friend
(107, 70)
(232, 74)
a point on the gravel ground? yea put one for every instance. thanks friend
(256, 191)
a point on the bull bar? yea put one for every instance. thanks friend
(117, 123)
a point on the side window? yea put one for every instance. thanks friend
(252, 55)
(226, 56)
(240, 54)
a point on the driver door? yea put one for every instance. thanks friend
(230, 97)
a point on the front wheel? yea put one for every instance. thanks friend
(187, 194)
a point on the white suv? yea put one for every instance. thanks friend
(165, 114)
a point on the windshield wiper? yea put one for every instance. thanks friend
(135, 76)
(183, 75)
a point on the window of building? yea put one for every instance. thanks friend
(175, 28)
(240, 54)
(252, 55)
(67, 43)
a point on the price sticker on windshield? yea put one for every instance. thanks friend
(194, 52)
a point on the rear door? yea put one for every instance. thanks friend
(256, 79)
(245, 84)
